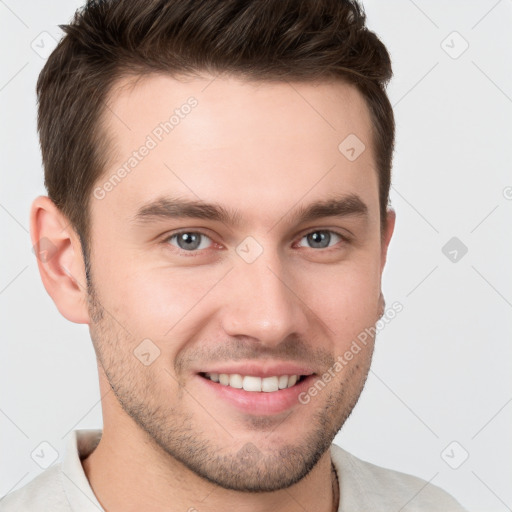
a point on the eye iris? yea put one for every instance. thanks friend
(319, 239)
(191, 240)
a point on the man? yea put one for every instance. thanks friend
(218, 176)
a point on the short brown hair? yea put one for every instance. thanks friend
(269, 40)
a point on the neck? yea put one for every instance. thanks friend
(128, 472)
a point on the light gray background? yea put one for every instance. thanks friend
(442, 367)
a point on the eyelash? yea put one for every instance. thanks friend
(196, 252)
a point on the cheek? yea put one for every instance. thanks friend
(157, 302)
(345, 297)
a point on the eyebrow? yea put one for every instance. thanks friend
(165, 208)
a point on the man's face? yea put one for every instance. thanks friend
(264, 295)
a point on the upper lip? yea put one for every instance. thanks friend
(260, 370)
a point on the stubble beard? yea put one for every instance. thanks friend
(249, 468)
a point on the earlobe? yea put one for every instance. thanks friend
(382, 306)
(386, 238)
(59, 259)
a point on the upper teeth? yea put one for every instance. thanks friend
(250, 383)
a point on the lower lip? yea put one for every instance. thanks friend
(259, 402)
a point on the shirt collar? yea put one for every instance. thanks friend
(78, 490)
(80, 495)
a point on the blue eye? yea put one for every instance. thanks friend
(195, 241)
(321, 239)
(189, 240)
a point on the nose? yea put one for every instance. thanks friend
(262, 302)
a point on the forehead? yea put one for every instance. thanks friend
(252, 145)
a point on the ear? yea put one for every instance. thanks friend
(59, 258)
(386, 236)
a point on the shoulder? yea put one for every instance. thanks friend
(45, 492)
(363, 483)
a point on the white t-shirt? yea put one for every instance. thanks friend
(364, 487)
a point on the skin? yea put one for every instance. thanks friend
(264, 149)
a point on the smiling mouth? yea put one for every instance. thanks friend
(254, 384)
